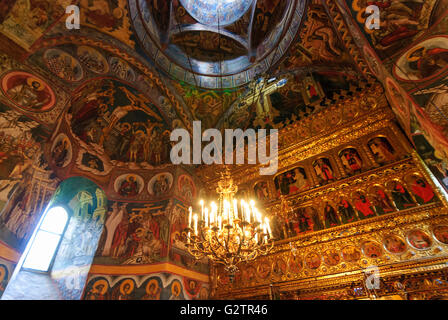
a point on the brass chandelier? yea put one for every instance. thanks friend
(229, 232)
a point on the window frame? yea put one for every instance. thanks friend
(36, 232)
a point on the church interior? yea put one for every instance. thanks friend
(350, 95)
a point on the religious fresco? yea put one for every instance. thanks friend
(161, 184)
(22, 170)
(400, 195)
(63, 65)
(382, 150)
(346, 210)
(441, 234)
(92, 60)
(261, 190)
(268, 28)
(28, 91)
(401, 23)
(186, 188)
(110, 117)
(394, 244)
(61, 151)
(419, 240)
(110, 17)
(27, 20)
(381, 200)
(134, 234)
(424, 60)
(178, 253)
(129, 185)
(158, 286)
(324, 170)
(292, 182)
(351, 160)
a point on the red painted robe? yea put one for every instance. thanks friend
(425, 193)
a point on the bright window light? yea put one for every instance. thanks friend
(46, 241)
(55, 220)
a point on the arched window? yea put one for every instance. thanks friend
(46, 240)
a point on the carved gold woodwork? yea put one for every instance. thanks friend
(329, 260)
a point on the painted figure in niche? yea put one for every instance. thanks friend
(279, 228)
(304, 222)
(331, 257)
(178, 219)
(98, 291)
(63, 65)
(118, 245)
(351, 254)
(130, 186)
(295, 264)
(125, 290)
(187, 188)
(263, 270)
(401, 196)
(419, 240)
(292, 182)
(346, 211)
(351, 160)
(116, 213)
(103, 13)
(324, 170)
(153, 290)
(312, 91)
(192, 287)
(394, 244)
(93, 162)
(372, 249)
(315, 218)
(61, 151)
(279, 267)
(422, 190)
(400, 20)
(424, 63)
(176, 289)
(381, 201)
(441, 234)
(262, 191)
(363, 205)
(320, 39)
(28, 91)
(160, 184)
(331, 217)
(93, 60)
(313, 260)
(382, 150)
(19, 194)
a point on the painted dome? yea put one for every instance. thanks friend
(216, 12)
(216, 43)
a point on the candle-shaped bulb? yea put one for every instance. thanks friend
(202, 209)
(190, 215)
(196, 224)
(268, 226)
(235, 209)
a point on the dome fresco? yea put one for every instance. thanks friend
(214, 44)
(216, 12)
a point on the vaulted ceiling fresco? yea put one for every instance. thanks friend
(355, 109)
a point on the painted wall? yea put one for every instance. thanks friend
(408, 55)
(157, 286)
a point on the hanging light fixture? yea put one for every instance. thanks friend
(230, 231)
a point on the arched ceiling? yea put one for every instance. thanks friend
(216, 43)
